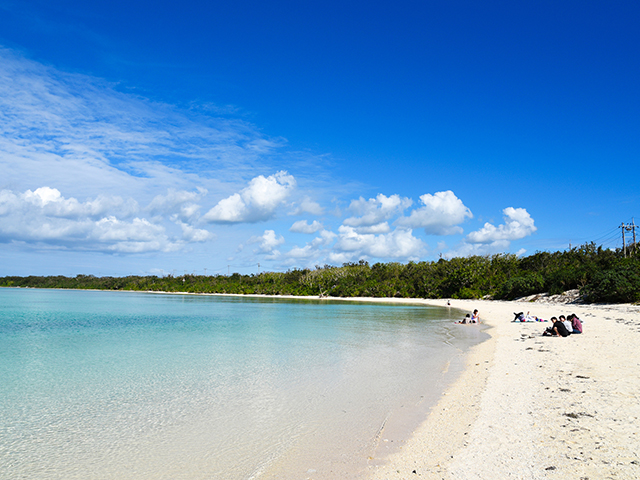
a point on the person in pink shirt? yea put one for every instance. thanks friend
(576, 323)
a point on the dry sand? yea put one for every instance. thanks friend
(530, 407)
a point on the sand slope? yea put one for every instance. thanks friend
(530, 407)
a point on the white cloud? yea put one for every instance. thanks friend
(308, 206)
(377, 228)
(306, 252)
(45, 195)
(338, 258)
(231, 209)
(326, 237)
(257, 202)
(465, 249)
(192, 234)
(110, 229)
(314, 248)
(491, 239)
(302, 226)
(518, 224)
(441, 214)
(46, 217)
(375, 210)
(180, 204)
(49, 201)
(398, 244)
(268, 242)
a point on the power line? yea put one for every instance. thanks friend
(607, 236)
(611, 237)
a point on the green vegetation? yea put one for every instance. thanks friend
(602, 275)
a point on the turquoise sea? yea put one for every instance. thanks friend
(119, 385)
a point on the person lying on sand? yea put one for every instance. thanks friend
(521, 317)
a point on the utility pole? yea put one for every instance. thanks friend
(628, 228)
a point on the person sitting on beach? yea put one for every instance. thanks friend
(465, 320)
(567, 323)
(549, 330)
(557, 329)
(475, 318)
(576, 323)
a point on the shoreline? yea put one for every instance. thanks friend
(533, 407)
(526, 406)
(344, 449)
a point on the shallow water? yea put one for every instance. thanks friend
(144, 386)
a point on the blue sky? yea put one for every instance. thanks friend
(183, 136)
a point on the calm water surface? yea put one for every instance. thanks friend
(113, 385)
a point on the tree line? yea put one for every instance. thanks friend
(601, 275)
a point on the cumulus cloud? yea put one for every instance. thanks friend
(191, 234)
(45, 216)
(397, 244)
(303, 227)
(325, 238)
(306, 252)
(136, 236)
(313, 249)
(441, 214)
(268, 242)
(518, 224)
(491, 239)
(255, 203)
(49, 201)
(375, 210)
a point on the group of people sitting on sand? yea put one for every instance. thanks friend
(563, 327)
(475, 318)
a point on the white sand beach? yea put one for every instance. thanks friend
(530, 407)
